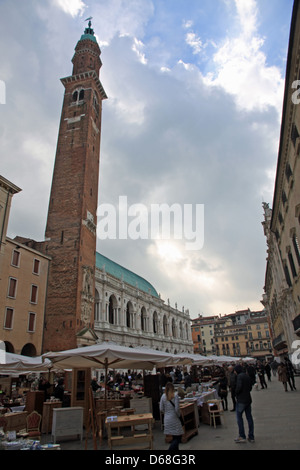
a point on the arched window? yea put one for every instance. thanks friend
(129, 315)
(165, 325)
(81, 95)
(112, 310)
(97, 312)
(155, 322)
(78, 95)
(173, 328)
(143, 319)
(28, 350)
(180, 330)
(75, 95)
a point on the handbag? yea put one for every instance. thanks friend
(179, 417)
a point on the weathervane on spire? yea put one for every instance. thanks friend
(89, 20)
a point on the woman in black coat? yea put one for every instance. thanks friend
(222, 390)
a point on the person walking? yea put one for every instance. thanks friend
(274, 366)
(250, 370)
(290, 373)
(243, 405)
(268, 371)
(222, 390)
(232, 385)
(282, 375)
(169, 406)
(261, 375)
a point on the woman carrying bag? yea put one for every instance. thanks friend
(169, 406)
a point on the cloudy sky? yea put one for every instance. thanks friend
(193, 118)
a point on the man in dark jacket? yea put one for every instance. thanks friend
(232, 385)
(243, 404)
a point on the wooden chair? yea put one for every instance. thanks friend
(3, 423)
(215, 410)
(33, 424)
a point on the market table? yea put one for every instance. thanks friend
(102, 415)
(201, 398)
(200, 401)
(134, 441)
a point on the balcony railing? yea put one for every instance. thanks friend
(279, 342)
(296, 323)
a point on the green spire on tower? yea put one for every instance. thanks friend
(89, 32)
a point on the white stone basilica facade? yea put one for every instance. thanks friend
(129, 311)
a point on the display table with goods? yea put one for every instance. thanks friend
(102, 415)
(200, 398)
(127, 437)
(12, 440)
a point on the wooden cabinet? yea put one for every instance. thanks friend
(34, 401)
(81, 382)
(151, 389)
(67, 422)
(48, 415)
(189, 421)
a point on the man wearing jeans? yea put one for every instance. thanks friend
(243, 404)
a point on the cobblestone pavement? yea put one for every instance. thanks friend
(276, 422)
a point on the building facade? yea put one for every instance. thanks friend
(240, 334)
(282, 222)
(129, 311)
(23, 286)
(203, 334)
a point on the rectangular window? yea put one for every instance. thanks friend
(12, 287)
(296, 248)
(31, 322)
(292, 264)
(15, 259)
(36, 266)
(287, 274)
(288, 171)
(294, 134)
(8, 321)
(34, 292)
(283, 197)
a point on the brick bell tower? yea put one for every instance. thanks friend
(70, 237)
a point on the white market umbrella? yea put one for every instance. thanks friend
(16, 364)
(111, 355)
(197, 359)
(223, 359)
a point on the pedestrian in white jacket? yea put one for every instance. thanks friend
(169, 406)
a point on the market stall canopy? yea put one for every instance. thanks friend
(113, 356)
(16, 364)
(196, 359)
(223, 359)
